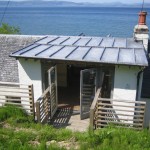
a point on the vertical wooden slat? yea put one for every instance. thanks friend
(46, 112)
(92, 119)
(30, 98)
(38, 111)
(143, 116)
(32, 95)
(93, 109)
(96, 114)
(43, 107)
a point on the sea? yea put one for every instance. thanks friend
(91, 21)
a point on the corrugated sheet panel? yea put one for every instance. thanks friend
(71, 41)
(64, 52)
(107, 42)
(47, 40)
(48, 52)
(82, 42)
(126, 56)
(110, 55)
(95, 42)
(78, 54)
(94, 54)
(131, 43)
(88, 49)
(120, 42)
(140, 56)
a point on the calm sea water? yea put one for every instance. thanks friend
(73, 21)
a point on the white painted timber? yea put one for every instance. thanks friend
(141, 33)
(30, 73)
(125, 84)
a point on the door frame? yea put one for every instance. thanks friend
(50, 90)
(86, 114)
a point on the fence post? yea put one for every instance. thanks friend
(33, 101)
(143, 115)
(92, 119)
(38, 111)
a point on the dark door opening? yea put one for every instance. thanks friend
(69, 96)
(68, 81)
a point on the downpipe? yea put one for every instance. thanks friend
(138, 82)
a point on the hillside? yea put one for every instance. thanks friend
(66, 4)
(19, 132)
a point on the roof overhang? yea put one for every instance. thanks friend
(102, 50)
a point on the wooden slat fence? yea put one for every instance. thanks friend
(121, 113)
(17, 94)
(53, 99)
(43, 107)
(93, 110)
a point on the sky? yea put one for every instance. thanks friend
(93, 1)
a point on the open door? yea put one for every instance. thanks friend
(87, 91)
(52, 77)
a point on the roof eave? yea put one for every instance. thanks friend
(94, 62)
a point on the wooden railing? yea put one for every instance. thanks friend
(17, 94)
(121, 113)
(93, 110)
(43, 107)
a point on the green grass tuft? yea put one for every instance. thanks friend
(11, 111)
(20, 132)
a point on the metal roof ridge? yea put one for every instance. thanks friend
(89, 36)
(57, 51)
(73, 45)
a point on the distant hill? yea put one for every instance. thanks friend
(66, 4)
(39, 4)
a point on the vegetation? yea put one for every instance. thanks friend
(7, 29)
(19, 132)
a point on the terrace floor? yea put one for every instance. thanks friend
(68, 118)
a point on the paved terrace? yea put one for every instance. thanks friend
(67, 118)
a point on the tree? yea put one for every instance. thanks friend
(7, 29)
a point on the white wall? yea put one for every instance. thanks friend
(30, 73)
(125, 84)
(141, 33)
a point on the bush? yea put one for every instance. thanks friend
(7, 29)
(11, 111)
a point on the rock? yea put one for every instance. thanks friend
(50, 142)
(53, 141)
(68, 145)
(34, 143)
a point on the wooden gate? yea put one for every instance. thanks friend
(52, 76)
(87, 91)
(47, 104)
(121, 113)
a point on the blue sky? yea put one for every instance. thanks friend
(94, 1)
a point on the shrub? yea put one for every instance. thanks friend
(11, 111)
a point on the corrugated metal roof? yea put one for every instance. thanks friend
(108, 50)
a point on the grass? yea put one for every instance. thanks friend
(18, 131)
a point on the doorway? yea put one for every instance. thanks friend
(76, 86)
(69, 95)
